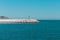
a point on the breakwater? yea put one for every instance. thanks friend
(18, 21)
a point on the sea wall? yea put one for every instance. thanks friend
(18, 20)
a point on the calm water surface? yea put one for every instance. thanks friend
(45, 30)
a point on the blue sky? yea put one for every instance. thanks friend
(39, 9)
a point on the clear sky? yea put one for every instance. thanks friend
(39, 9)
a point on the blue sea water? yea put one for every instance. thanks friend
(44, 30)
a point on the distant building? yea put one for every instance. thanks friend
(3, 17)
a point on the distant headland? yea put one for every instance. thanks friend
(3, 17)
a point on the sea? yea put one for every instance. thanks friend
(44, 30)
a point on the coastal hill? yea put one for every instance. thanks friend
(3, 17)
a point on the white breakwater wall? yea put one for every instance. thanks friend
(18, 20)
